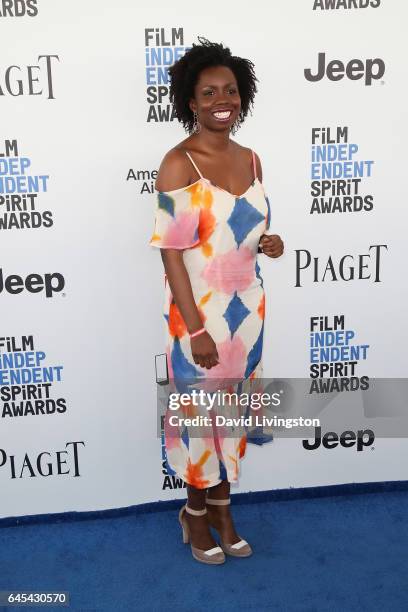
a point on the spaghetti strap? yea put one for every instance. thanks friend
(254, 163)
(194, 164)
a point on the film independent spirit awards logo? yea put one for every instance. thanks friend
(163, 47)
(26, 384)
(338, 5)
(21, 194)
(18, 8)
(335, 356)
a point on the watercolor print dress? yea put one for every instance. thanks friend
(219, 234)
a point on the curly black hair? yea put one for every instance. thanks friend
(184, 74)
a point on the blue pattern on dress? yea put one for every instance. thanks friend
(166, 203)
(235, 313)
(223, 471)
(268, 217)
(184, 372)
(255, 354)
(243, 219)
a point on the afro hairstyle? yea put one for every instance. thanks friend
(185, 71)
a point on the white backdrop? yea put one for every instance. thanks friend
(102, 325)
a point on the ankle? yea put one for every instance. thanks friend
(195, 511)
(218, 501)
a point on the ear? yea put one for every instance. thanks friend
(192, 104)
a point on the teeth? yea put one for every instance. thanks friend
(222, 115)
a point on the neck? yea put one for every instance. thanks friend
(213, 141)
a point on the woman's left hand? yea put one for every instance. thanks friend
(271, 245)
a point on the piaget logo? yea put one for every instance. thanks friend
(47, 463)
(346, 268)
(29, 80)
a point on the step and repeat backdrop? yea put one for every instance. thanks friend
(85, 122)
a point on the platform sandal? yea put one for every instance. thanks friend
(239, 549)
(213, 556)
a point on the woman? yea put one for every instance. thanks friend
(209, 239)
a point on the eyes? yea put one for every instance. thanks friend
(231, 90)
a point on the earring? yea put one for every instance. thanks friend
(196, 124)
(235, 126)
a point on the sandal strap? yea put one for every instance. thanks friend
(196, 512)
(213, 551)
(218, 502)
(239, 544)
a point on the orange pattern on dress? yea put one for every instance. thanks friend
(177, 327)
(242, 446)
(205, 298)
(189, 410)
(261, 307)
(205, 229)
(201, 303)
(234, 462)
(200, 195)
(194, 471)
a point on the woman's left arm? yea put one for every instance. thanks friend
(270, 244)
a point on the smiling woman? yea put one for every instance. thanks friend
(209, 239)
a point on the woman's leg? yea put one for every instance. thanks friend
(199, 528)
(220, 516)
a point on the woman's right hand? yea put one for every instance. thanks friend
(204, 351)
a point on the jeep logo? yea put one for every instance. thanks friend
(346, 439)
(34, 283)
(355, 69)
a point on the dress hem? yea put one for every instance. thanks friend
(211, 477)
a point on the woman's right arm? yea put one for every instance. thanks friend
(174, 173)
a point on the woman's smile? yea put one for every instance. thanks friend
(222, 115)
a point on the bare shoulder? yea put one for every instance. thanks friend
(258, 166)
(248, 152)
(174, 171)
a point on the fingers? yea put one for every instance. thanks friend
(214, 361)
(199, 360)
(211, 361)
(204, 351)
(272, 245)
(206, 361)
(277, 252)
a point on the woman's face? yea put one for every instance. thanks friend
(217, 100)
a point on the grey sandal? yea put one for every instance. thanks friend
(239, 549)
(213, 556)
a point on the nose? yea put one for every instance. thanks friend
(220, 98)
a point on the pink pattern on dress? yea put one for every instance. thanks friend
(181, 231)
(232, 362)
(172, 433)
(232, 271)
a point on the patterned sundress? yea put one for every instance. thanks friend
(219, 234)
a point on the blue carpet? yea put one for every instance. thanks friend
(336, 553)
